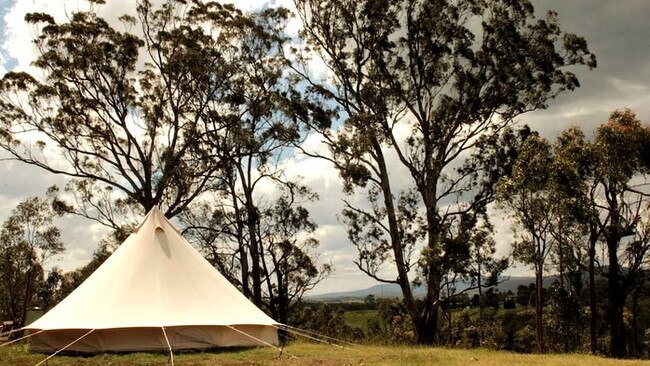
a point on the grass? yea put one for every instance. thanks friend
(358, 318)
(321, 355)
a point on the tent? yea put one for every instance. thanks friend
(154, 293)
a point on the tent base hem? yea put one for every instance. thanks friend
(152, 339)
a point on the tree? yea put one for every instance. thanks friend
(262, 244)
(637, 261)
(49, 292)
(28, 239)
(124, 112)
(484, 270)
(574, 166)
(592, 192)
(565, 313)
(523, 294)
(416, 83)
(620, 186)
(289, 265)
(528, 195)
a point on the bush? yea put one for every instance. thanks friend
(325, 320)
(391, 324)
(524, 340)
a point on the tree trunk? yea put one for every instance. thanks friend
(29, 293)
(635, 346)
(592, 294)
(243, 253)
(617, 297)
(449, 322)
(480, 306)
(252, 222)
(282, 298)
(422, 322)
(539, 308)
(560, 248)
(243, 261)
(617, 293)
(427, 325)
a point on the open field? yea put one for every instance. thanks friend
(359, 318)
(323, 355)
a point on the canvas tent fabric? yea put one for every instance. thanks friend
(155, 280)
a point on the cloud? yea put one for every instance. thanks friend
(617, 34)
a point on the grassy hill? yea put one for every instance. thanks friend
(323, 355)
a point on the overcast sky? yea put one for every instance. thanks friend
(616, 31)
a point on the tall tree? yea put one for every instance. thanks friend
(637, 261)
(599, 191)
(243, 231)
(527, 193)
(621, 192)
(574, 166)
(122, 113)
(416, 83)
(28, 239)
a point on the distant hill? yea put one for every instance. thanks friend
(382, 290)
(392, 290)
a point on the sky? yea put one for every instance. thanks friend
(616, 31)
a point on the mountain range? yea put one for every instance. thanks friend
(506, 284)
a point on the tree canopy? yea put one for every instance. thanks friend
(420, 85)
(124, 114)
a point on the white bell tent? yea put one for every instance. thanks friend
(155, 292)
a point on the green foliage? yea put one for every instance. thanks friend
(326, 320)
(565, 321)
(605, 201)
(390, 324)
(289, 246)
(28, 238)
(453, 75)
(130, 114)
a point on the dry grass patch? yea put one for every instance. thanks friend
(318, 355)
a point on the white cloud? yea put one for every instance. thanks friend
(18, 34)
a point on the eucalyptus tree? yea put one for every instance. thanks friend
(121, 109)
(416, 83)
(620, 196)
(591, 193)
(637, 260)
(28, 239)
(575, 187)
(254, 227)
(528, 195)
(290, 262)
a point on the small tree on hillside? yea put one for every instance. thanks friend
(527, 194)
(28, 239)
